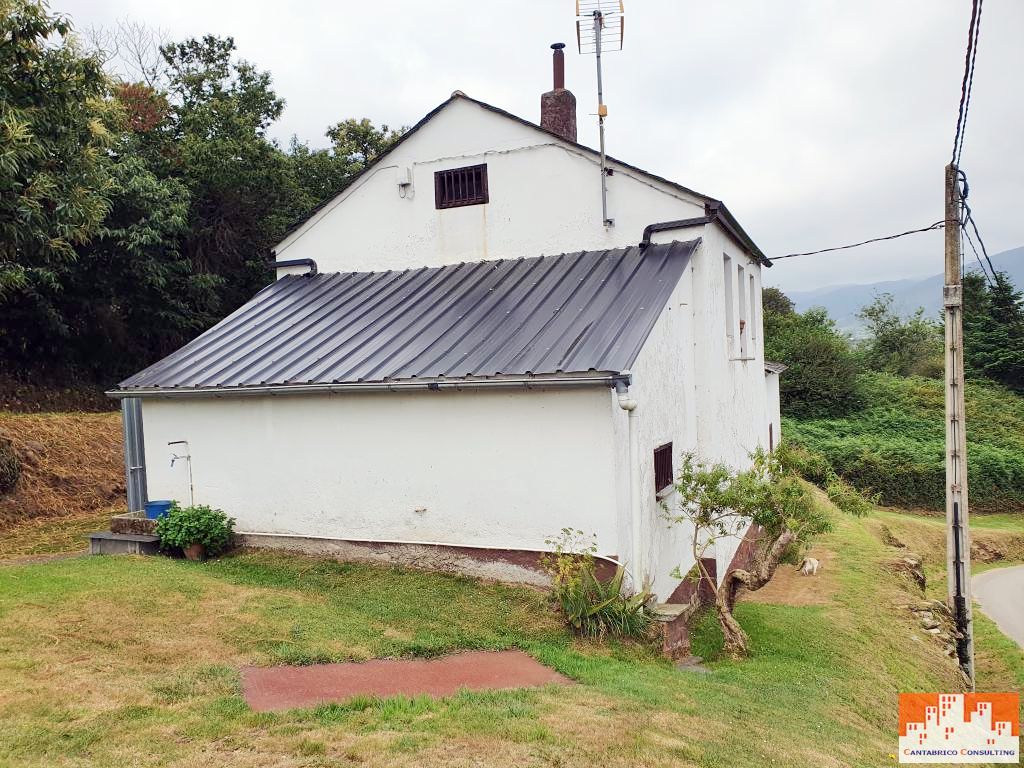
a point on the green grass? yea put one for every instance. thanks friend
(134, 661)
(895, 443)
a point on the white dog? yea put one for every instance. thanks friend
(809, 567)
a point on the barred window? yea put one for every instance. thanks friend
(461, 186)
(663, 474)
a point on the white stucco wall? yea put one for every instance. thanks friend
(497, 469)
(694, 391)
(544, 199)
(771, 385)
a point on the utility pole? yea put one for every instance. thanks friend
(958, 538)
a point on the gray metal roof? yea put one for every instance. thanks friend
(572, 313)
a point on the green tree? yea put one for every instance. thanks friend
(821, 379)
(901, 346)
(994, 330)
(54, 169)
(243, 189)
(776, 302)
(360, 142)
(718, 502)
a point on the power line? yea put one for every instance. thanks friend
(977, 234)
(967, 217)
(981, 264)
(967, 84)
(929, 228)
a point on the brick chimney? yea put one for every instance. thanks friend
(558, 106)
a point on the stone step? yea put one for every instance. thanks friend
(108, 543)
(667, 611)
(132, 523)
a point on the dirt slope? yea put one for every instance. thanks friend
(71, 463)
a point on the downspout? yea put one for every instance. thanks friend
(628, 404)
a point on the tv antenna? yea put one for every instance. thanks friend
(599, 27)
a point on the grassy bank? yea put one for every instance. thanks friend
(894, 444)
(129, 661)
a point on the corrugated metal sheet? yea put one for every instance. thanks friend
(573, 313)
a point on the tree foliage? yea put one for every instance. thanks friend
(909, 346)
(138, 207)
(821, 379)
(54, 128)
(994, 330)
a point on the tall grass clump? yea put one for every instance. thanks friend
(592, 607)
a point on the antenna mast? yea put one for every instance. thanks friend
(600, 24)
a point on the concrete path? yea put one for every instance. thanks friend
(277, 688)
(1000, 592)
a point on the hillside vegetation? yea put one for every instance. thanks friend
(894, 444)
(71, 464)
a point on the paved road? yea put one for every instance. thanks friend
(1000, 592)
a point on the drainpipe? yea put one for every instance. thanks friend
(628, 404)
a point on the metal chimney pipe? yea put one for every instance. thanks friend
(558, 65)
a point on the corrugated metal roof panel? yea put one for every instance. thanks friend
(572, 313)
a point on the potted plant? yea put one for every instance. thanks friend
(199, 531)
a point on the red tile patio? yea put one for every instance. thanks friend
(277, 688)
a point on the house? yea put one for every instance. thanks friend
(460, 357)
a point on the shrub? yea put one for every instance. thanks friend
(895, 445)
(910, 346)
(821, 380)
(10, 466)
(200, 524)
(592, 608)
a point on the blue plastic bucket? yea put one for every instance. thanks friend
(157, 509)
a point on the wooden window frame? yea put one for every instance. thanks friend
(664, 471)
(458, 187)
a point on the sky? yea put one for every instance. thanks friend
(818, 122)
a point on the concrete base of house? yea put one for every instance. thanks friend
(515, 566)
(109, 543)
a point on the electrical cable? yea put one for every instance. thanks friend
(967, 84)
(929, 228)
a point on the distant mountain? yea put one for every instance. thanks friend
(843, 302)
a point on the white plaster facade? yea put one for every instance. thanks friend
(492, 469)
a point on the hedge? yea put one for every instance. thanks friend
(895, 444)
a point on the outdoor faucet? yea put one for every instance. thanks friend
(187, 456)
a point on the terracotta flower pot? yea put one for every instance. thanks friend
(195, 552)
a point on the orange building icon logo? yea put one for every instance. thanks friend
(959, 728)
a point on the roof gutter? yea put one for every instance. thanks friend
(296, 263)
(714, 211)
(608, 380)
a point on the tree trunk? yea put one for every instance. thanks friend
(737, 643)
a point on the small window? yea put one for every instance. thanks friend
(461, 186)
(741, 286)
(729, 301)
(663, 467)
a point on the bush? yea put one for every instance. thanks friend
(896, 444)
(183, 526)
(821, 380)
(10, 466)
(592, 608)
(911, 346)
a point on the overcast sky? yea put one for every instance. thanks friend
(818, 122)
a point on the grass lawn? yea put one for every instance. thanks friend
(42, 536)
(127, 661)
